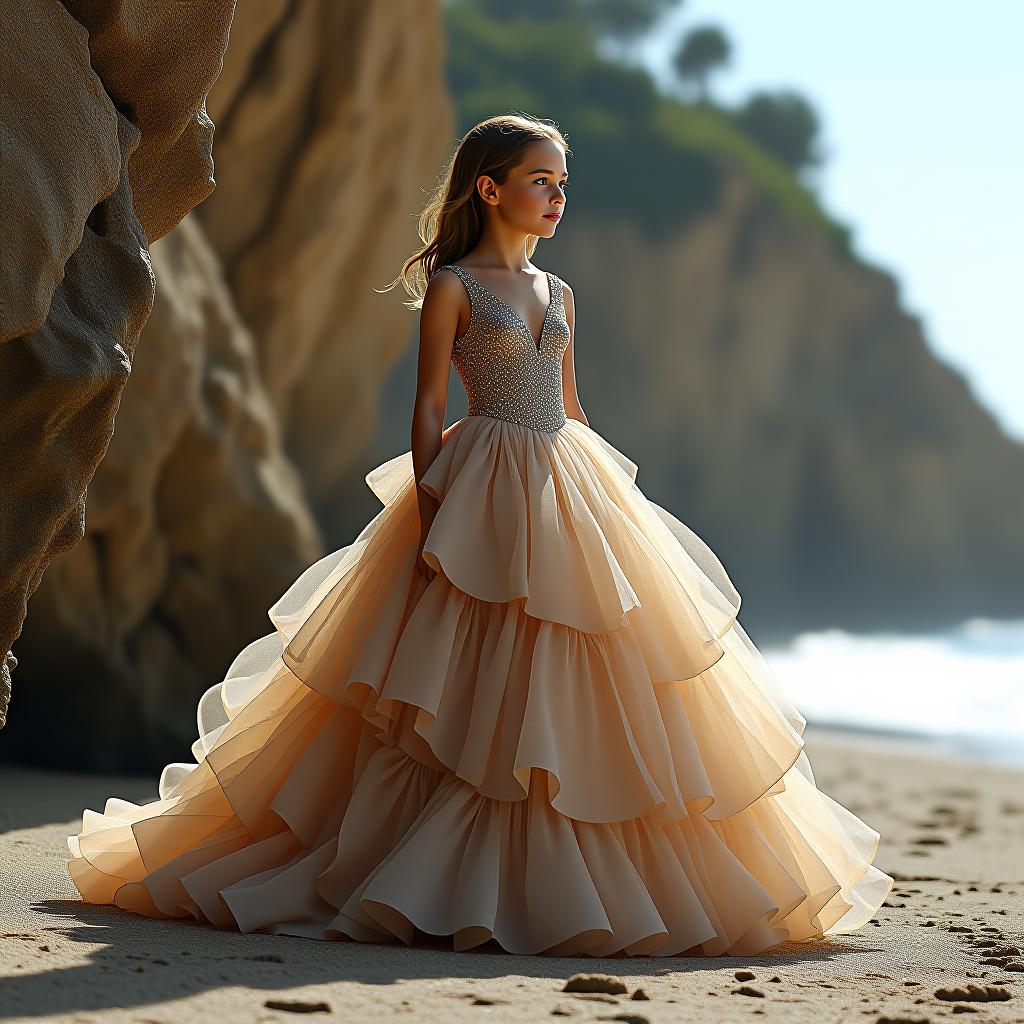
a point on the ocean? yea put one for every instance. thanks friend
(958, 692)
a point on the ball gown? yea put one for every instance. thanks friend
(563, 742)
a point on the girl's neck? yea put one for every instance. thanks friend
(501, 251)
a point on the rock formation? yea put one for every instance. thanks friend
(253, 383)
(106, 147)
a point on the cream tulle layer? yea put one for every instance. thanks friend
(565, 741)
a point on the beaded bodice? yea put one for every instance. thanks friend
(506, 372)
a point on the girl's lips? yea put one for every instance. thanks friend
(552, 216)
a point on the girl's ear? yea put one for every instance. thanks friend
(487, 188)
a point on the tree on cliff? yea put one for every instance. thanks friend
(702, 51)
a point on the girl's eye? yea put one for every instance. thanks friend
(543, 181)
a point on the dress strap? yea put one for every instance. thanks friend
(557, 283)
(467, 277)
(472, 286)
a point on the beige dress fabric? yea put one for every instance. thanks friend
(564, 741)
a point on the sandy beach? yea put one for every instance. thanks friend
(952, 836)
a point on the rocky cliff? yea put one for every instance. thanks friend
(106, 146)
(251, 390)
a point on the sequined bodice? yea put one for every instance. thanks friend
(505, 371)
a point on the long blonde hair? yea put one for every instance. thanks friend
(453, 219)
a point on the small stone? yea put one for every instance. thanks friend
(297, 1005)
(747, 990)
(744, 975)
(974, 994)
(595, 983)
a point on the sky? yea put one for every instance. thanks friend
(922, 107)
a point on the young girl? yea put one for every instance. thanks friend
(519, 708)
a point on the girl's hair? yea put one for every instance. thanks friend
(453, 219)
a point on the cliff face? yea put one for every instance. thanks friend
(194, 520)
(332, 119)
(252, 388)
(106, 146)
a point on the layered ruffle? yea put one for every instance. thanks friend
(564, 741)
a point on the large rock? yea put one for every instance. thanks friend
(196, 522)
(106, 147)
(332, 119)
(265, 335)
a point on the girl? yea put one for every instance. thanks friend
(518, 708)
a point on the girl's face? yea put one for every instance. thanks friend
(532, 198)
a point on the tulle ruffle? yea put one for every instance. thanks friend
(565, 741)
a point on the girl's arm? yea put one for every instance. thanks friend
(570, 399)
(445, 307)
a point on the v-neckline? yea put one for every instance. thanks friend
(538, 344)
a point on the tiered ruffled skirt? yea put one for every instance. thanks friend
(564, 742)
